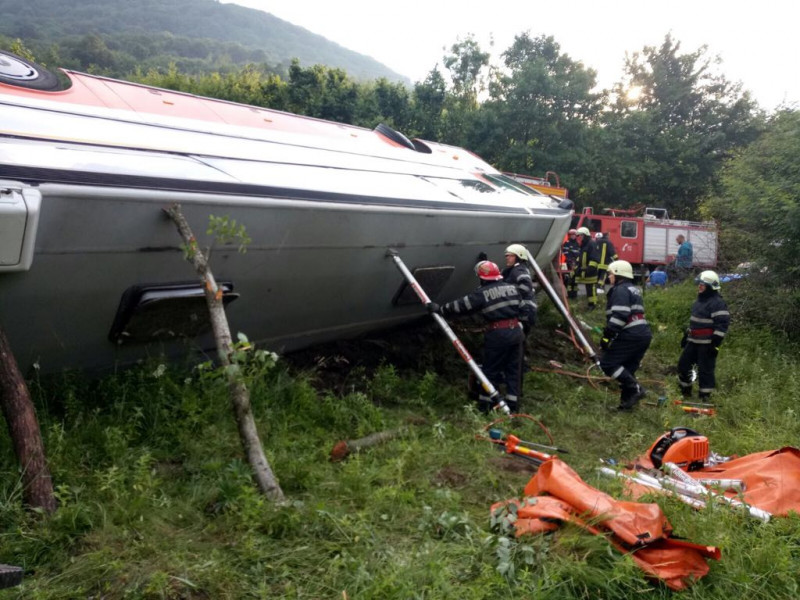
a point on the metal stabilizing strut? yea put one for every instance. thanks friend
(551, 293)
(494, 395)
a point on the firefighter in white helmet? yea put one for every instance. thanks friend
(499, 304)
(627, 335)
(586, 270)
(708, 326)
(517, 271)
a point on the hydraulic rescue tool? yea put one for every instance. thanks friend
(494, 396)
(529, 451)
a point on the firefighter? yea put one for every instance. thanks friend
(571, 251)
(586, 270)
(626, 336)
(518, 272)
(606, 255)
(701, 341)
(499, 304)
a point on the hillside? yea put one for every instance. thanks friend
(48, 21)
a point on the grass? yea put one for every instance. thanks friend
(156, 501)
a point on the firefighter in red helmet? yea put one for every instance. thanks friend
(500, 304)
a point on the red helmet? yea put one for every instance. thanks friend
(488, 271)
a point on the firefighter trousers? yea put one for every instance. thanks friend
(502, 359)
(623, 357)
(705, 357)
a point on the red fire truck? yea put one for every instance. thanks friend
(645, 237)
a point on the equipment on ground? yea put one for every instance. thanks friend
(494, 395)
(682, 446)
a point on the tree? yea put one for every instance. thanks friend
(467, 65)
(664, 145)
(758, 208)
(23, 427)
(428, 104)
(540, 110)
(237, 388)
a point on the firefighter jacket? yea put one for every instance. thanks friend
(606, 253)
(710, 319)
(625, 311)
(586, 270)
(496, 301)
(572, 252)
(519, 275)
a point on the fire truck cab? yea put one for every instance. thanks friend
(645, 237)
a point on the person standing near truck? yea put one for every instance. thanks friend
(607, 254)
(586, 270)
(572, 252)
(682, 266)
(708, 325)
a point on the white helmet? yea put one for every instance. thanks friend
(519, 251)
(709, 278)
(621, 268)
(584, 231)
(598, 235)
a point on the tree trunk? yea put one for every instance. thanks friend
(239, 394)
(37, 485)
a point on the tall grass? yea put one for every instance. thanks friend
(156, 501)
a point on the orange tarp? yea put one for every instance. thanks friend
(641, 529)
(771, 478)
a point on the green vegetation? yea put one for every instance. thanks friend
(156, 501)
(115, 36)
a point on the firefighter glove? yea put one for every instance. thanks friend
(433, 308)
(605, 344)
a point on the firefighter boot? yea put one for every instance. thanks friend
(705, 397)
(630, 397)
(686, 392)
(484, 405)
(513, 404)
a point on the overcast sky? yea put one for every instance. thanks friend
(756, 40)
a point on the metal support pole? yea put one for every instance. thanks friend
(551, 293)
(494, 395)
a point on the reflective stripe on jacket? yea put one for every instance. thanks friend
(521, 277)
(710, 319)
(496, 300)
(625, 309)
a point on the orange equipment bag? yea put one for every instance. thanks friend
(636, 528)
